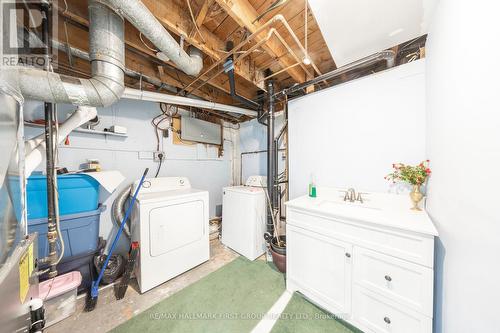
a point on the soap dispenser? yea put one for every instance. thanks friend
(312, 187)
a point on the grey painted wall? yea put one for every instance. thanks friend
(133, 154)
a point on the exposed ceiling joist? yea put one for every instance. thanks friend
(175, 18)
(245, 14)
(77, 34)
(133, 41)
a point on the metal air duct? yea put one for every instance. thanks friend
(107, 56)
(141, 17)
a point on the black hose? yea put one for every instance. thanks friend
(160, 156)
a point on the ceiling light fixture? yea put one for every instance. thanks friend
(306, 60)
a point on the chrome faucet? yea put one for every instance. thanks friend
(350, 195)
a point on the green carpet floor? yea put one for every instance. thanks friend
(232, 299)
(301, 316)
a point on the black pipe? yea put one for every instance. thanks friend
(229, 69)
(49, 150)
(271, 159)
(248, 153)
(388, 56)
(261, 115)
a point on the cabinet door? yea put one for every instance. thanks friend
(320, 268)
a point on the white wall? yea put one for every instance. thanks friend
(133, 154)
(253, 137)
(349, 135)
(463, 141)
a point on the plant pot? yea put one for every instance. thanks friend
(416, 196)
(279, 253)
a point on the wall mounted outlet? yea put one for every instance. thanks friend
(158, 155)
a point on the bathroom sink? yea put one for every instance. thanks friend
(338, 201)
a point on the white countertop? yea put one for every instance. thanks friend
(385, 209)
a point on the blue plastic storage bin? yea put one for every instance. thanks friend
(80, 233)
(77, 193)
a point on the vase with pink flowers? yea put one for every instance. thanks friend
(413, 175)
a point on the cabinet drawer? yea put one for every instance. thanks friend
(374, 313)
(404, 282)
(406, 245)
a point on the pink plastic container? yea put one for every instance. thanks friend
(59, 296)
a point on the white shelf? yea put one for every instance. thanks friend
(80, 130)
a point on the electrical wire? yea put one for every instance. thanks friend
(159, 167)
(305, 27)
(272, 7)
(166, 115)
(194, 20)
(145, 44)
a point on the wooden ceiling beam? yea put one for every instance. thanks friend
(176, 19)
(245, 14)
(133, 41)
(202, 14)
(134, 59)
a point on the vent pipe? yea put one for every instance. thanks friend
(271, 160)
(107, 56)
(139, 15)
(229, 69)
(388, 56)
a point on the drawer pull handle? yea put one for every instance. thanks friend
(347, 254)
(388, 278)
(387, 320)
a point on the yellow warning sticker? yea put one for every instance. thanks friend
(30, 260)
(25, 270)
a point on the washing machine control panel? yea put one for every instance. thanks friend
(256, 181)
(161, 184)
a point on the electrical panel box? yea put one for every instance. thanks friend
(193, 129)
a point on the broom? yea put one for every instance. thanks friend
(93, 294)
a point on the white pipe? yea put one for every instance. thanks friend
(35, 148)
(184, 101)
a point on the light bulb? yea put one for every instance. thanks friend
(306, 60)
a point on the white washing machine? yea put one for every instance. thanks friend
(244, 217)
(170, 222)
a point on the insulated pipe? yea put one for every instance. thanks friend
(184, 101)
(107, 56)
(141, 17)
(388, 56)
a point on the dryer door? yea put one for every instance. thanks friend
(173, 226)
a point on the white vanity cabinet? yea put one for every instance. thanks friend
(372, 265)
